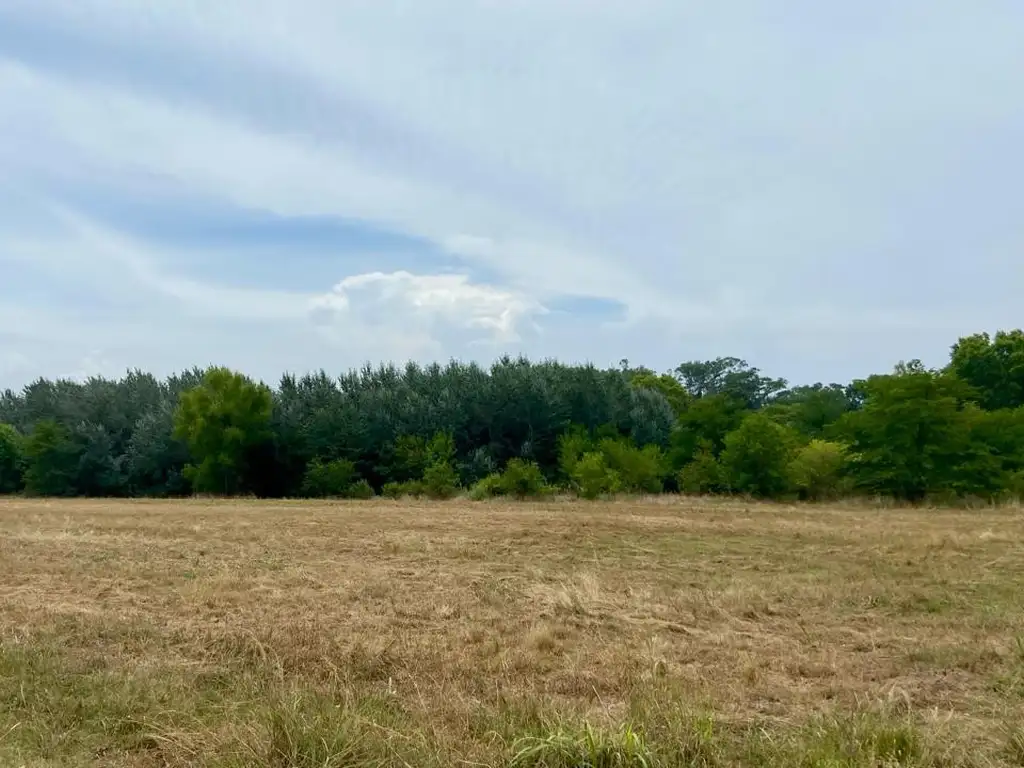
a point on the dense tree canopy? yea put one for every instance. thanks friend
(520, 428)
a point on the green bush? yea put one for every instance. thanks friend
(592, 477)
(440, 481)
(412, 488)
(360, 489)
(523, 479)
(328, 479)
(640, 470)
(757, 455)
(487, 488)
(571, 447)
(703, 475)
(817, 470)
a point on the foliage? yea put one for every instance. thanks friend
(812, 410)
(913, 437)
(360, 489)
(817, 470)
(756, 457)
(571, 446)
(640, 470)
(487, 488)
(993, 366)
(523, 479)
(706, 420)
(702, 475)
(327, 479)
(395, 490)
(731, 377)
(440, 481)
(52, 460)
(155, 460)
(667, 385)
(12, 459)
(592, 477)
(429, 430)
(222, 420)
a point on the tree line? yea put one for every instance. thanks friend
(522, 428)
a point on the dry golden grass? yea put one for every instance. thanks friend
(143, 633)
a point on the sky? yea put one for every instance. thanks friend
(821, 189)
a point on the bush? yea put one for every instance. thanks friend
(703, 475)
(571, 447)
(487, 488)
(817, 470)
(523, 479)
(361, 489)
(757, 455)
(640, 470)
(328, 479)
(593, 477)
(440, 481)
(402, 490)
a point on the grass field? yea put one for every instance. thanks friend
(660, 633)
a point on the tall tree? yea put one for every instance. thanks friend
(729, 376)
(12, 458)
(52, 461)
(993, 366)
(223, 421)
(913, 437)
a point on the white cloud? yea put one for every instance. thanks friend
(723, 170)
(417, 302)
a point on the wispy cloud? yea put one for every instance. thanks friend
(723, 179)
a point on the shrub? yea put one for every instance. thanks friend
(757, 455)
(440, 481)
(640, 470)
(360, 489)
(487, 488)
(817, 470)
(328, 479)
(703, 475)
(523, 479)
(402, 490)
(571, 447)
(593, 477)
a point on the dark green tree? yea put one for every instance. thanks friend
(993, 366)
(223, 421)
(12, 459)
(666, 385)
(52, 460)
(818, 470)
(914, 437)
(155, 460)
(729, 376)
(757, 456)
(812, 410)
(707, 419)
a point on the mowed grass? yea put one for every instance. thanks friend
(637, 633)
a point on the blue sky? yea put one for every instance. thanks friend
(820, 188)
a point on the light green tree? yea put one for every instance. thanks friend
(221, 421)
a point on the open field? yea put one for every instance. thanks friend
(431, 634)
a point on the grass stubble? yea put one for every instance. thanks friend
(656, 633)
